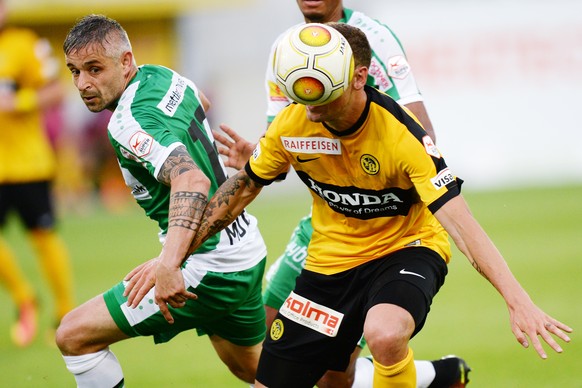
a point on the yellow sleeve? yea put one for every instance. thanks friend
(428, 171)
(270, 161)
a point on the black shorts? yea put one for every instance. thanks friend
(319, 324)
(32, 202)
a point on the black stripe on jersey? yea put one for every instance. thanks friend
(451, 193)
(401, 115)
(261, 181)
(397, 111)
(199, 115)
(210, 148)
(416, 130)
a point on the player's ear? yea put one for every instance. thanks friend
(360, 77)
(127, 59)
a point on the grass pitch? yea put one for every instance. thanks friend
(538, 231)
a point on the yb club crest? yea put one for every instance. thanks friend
(369, 164)
(277, 329)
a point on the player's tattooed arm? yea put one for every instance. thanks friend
(186, 207)
(476, 265)
(178, 162)
(225, 205)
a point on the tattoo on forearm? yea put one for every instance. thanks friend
(478, 268)
(219, 202)
(186, 209)
(179, 161)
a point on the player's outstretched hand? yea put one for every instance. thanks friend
(170, 290)
(139, 280)
(531, 322)
(236, 149)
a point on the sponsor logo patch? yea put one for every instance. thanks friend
(174, 96)
(275, 93)
(312, 315)
(380, 77)
(257, 151)
(430, 147)
(141, 143)
(312, 145)
(442, 179)
(413, 244)
(362, 203)
(398, 67)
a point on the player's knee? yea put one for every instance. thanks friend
(69, 337)
(64, 336)
(388, 346)
(245, 372)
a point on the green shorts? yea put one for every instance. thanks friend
(229, 305)
(280, 278)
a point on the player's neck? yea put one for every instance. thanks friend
(351, 113)
(335, 16)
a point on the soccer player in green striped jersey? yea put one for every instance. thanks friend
(168, 159)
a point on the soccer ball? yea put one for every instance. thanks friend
(313, 64)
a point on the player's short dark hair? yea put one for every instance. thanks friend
(98, 29)
(358, 42)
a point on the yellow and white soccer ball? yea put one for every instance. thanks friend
(313, 64)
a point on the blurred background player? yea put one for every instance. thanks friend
(390, 73)
(28, 85)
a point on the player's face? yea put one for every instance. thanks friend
(321, 11)
(100, 78)
(333, 113)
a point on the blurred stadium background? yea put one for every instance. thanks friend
(502, 82)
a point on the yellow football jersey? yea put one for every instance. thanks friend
(25, 65)
(374, 187)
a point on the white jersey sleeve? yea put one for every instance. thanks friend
(389, 71)
(276, 100)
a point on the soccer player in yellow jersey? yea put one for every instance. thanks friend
(384, 206)
(28, 84)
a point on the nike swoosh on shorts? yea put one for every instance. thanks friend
(405, 272)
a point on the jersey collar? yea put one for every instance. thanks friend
(347, 14)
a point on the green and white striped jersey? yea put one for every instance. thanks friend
(159, 111)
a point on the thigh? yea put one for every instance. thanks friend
(88, 328)
(229, 305)
(241, 360)
(320, 322)
(339, 379)
(409, 279)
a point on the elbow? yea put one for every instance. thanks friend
(203, 182)
(192, 181)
